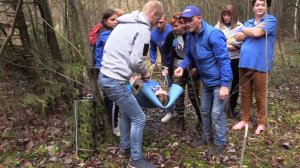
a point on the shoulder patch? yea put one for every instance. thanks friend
(146, 49)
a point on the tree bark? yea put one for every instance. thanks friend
(296, 21)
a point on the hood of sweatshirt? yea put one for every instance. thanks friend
(134, 17)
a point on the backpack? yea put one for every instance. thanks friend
(94, 33)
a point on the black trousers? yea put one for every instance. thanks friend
(234, 91)
(108, 105)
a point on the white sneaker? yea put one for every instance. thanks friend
(167, 117)
(116, 131)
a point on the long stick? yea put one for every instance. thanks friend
(244, 145)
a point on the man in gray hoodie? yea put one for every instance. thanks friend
(125, 53)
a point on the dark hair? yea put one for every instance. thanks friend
(269, 2)
(163, 98)
(229, 10)
(107, 14)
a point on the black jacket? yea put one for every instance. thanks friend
(170, 49)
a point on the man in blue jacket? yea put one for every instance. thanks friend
(207, 50)
(158, 36)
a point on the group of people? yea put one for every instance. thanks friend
(225, 58)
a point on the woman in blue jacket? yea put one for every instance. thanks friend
(109, 22)
(258, 35)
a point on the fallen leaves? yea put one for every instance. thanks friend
(29, 146)
(46, 142)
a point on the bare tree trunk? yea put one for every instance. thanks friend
(34, 31)
(29, 55)
(277, 10)
(74, 56)
(90, 64)
(248, 9)
(50, 34)
(281, 51)
(296, 21)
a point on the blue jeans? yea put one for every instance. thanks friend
(132, 117)
(213, 115)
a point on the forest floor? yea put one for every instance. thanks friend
(29, 140)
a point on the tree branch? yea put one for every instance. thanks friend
(294, 5)
(12, 29)
(5, 34)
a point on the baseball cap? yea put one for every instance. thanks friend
(190, 11)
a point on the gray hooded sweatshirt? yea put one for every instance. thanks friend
(127, 46)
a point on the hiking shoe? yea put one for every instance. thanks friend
(124, 152)
(141, 163)
(167, 117)
(216, 150)
(201, 142)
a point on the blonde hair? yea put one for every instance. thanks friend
(120, 12)
(151, 6)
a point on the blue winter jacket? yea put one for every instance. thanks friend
(99, 48)
(207, 50)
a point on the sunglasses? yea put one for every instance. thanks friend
(176, 17)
